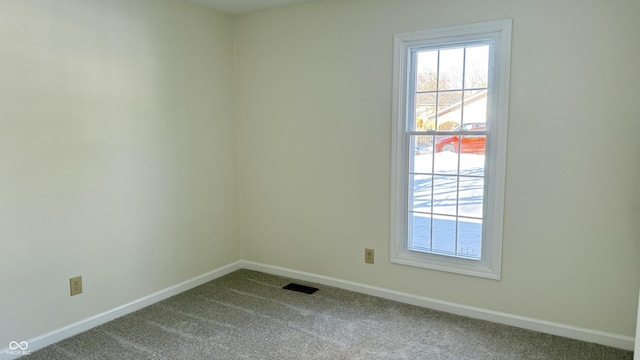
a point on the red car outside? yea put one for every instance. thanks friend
(470, 144)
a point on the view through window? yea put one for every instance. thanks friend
(448, 133)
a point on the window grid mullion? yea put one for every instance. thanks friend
(445, 174)
(458, 205)
(433, 162)
(446, 133)
(464, 53)
(449, 90)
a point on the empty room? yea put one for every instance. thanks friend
(436, 179)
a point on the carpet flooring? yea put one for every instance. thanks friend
(247, 315)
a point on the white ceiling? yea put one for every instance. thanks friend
(245, 6)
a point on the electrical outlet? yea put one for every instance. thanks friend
(75, 283)
(368, 256)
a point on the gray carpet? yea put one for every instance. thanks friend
(247, 315)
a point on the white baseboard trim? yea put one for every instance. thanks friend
(583, 334)
(569, 331)
(55, 336)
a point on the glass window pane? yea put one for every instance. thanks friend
(420, 232)
(449, 114)
(445, 195)
(427, 71)
(476, 67)
(445, 161)
(412, 161)
(425, 111)
(420, 193)
(473, 144)
(444, 235)
(469, 238)
(472, 164)
(451, 63)
(470, 196)
(420, 160)
(475, 108)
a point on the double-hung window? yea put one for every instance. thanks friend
(449, 142)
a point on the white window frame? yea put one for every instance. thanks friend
(490, 262)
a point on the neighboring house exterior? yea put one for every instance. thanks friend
(475, 111)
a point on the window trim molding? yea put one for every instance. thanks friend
(490, 265)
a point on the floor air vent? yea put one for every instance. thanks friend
(300, 288)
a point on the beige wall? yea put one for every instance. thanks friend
(313, 106)
(117, 155)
